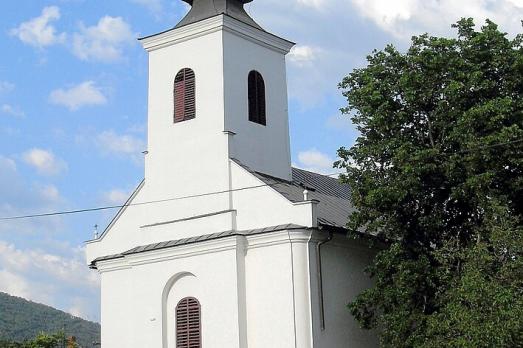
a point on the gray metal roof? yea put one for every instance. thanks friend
(193, 240)
(333, 198)
(202, 9)
(334, 205)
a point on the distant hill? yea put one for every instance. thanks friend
(21, 320)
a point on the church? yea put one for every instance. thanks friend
(224, 244)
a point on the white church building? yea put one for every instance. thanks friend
(224, 244)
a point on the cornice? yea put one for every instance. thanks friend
(212, 25)
(280, 237)
(243, 242)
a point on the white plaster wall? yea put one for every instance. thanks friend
(254, 292)
(137, 302)
(263, 148)
(252, 208)
(264, 206)
(343, 265)
(191, 158)
(278, 290)
(183, 156)
(115, 309)
(270, 305)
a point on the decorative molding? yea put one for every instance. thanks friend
(112, 265)
(232, 242)
(279, 237)
(189, 218)
(212, 25)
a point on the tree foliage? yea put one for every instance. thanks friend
(22, 320)
(42, 340)
(437, 174)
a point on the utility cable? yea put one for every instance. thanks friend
(86, 210)
(110, 207)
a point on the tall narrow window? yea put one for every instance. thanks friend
(257, 98)
(188, 323)
(184, 95)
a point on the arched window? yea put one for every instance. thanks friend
(257, 98)
(184, 95)
(188, 323)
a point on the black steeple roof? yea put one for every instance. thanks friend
(202, 9)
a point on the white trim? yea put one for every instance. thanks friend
(118, 214)
(112, 265)
(212, 25)
(206, 247)
(201, 216)
(278, 237)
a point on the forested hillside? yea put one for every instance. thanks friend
(21, 320)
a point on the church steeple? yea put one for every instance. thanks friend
(202, 9)
(217, 91)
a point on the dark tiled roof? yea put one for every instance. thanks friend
(193, 240)
(334, 205)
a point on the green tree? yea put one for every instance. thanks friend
(437, 174)
(44, 340)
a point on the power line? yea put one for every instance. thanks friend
(110, 207)
(87, 210)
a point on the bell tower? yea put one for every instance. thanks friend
(217, 91)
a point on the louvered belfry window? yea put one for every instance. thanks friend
(257, 98)
(184, 95)
(188, 323)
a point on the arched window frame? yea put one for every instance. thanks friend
(184, 95)
(188, 323)
(256, 96)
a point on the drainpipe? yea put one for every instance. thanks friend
(320, 279)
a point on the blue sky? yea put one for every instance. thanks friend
(73, 87)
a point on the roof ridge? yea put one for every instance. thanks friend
(319, 174)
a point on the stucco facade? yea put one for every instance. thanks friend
(203, 225)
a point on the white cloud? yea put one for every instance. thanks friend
(315, 161)
(104, 41)
(15, 285)
(116, 197)
(302, 55)
(84, 94)
(125, 145)
(404, 18)
(39, 32)
(35, 262)
(45, 162)
(345, 39)
(6, 86)
(33, 273)
(50, 193)
(518, 3)
(12, 110)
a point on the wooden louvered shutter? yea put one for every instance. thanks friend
(256, 86)
(190, 89)
(184, 95)
(188, 324)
